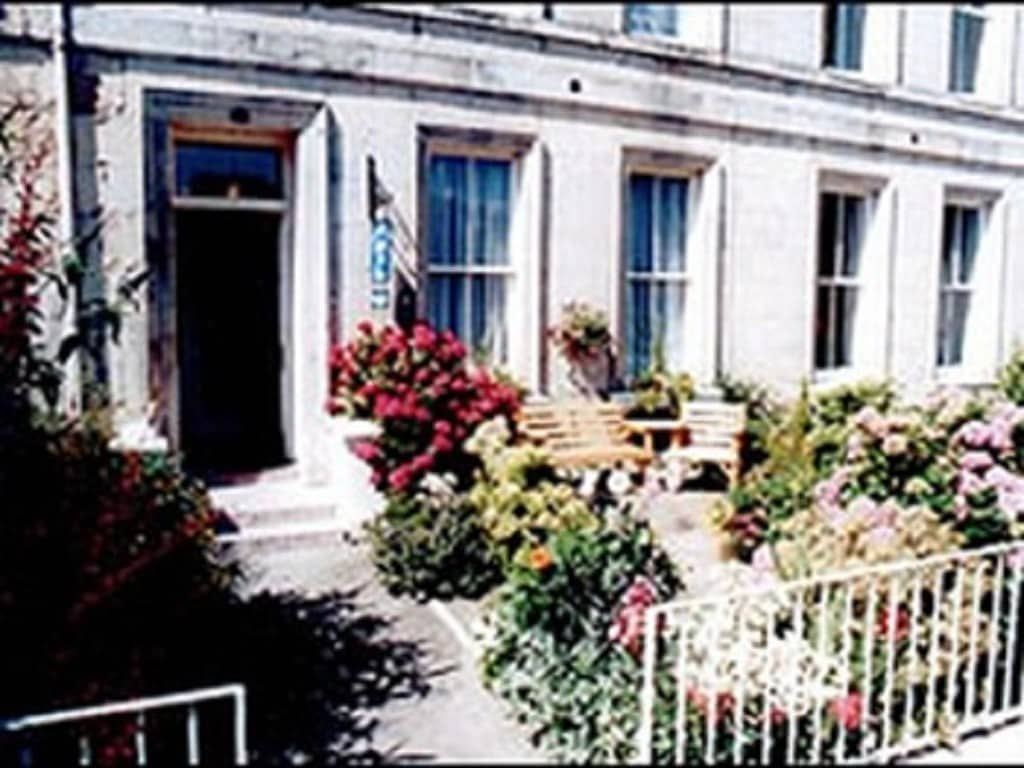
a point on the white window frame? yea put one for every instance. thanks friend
(956, 285)
(693, 175)
(984, 325)
(837, 280)
(522, 310)
(508, 270)
(870, 341)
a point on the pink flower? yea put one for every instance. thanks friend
(628, 621)
(975, 461)
(366, 450)
(973, 434)
(881, 536)
(1015, 559)
(401, 477)
(763, 561)
(885, 514)
(862, 508)
(848, 710)
(894, 445)
(969, 483)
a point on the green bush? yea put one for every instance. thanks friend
(1011, 377)
(431, 544)
(763, 414)
(551, 652)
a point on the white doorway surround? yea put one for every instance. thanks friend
(309, 138)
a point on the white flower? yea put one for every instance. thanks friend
(589, 483)
(619, 483)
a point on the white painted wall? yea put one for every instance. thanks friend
(767, 129)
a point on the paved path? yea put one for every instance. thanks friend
(458, 720)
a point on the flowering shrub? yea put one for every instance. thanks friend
(561, 641)
(518, 494)
(104, 558)
(582, 333)
(418, 387)
(431, 543)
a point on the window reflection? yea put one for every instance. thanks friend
(224, 170)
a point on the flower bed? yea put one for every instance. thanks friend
(562, 642)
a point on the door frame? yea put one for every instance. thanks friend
(312, 270)
(284, 143)
(176, 116)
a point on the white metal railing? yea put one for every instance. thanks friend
(139, 707)
(863, 665)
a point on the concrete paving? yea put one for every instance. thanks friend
(458, 720)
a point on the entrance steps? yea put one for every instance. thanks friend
(278, 516)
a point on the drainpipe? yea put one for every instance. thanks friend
(64, 133)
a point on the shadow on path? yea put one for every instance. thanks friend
(317, 669)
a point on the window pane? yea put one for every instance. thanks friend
(225, 170)
(641, 217)
(490, 201)
(822, 322)
(474, 309)
(671, 217)
(835, 319)
(966, 47)
(846, 315)
(447, 218)
(953, 310)
(844, 35)
(970, 229)
(853, 219)
(669, 306)
(651, 18)
(639, 334)
(827, 234)
(949, 244)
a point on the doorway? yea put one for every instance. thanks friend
(229, 232)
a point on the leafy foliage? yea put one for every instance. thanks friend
(518, 494)
(431, 544)
(561, 646)
(1011, 377)
(582, 333)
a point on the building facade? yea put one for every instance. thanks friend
(819, 191)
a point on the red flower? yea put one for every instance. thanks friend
(848, 710)
(902, 628)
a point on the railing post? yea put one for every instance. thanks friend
(646, 732)
(241, 749)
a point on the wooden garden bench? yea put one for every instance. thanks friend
(714, 435)
(581, 433)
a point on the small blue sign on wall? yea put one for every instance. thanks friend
(380, 297)
(380, 253)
